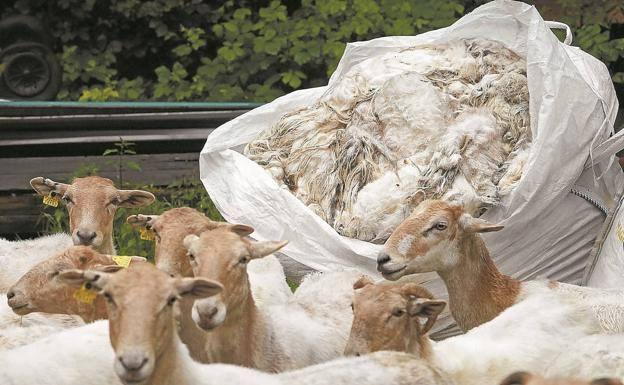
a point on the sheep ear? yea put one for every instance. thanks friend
(189, 240)
(262, 249)
(135, 198)
(364, 280)
(107, 268)
(72, 277)
(426, 308)
(44, 186)
(75, 277)
(197, 287)
(517, 378)
(242, 230)
(477, 225)
(141, 220)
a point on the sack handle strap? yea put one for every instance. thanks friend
(560, 25)
(606, 149)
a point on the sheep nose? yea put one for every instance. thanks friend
(382, 258)
(208, 313)
(357, 354)
(10, 294)
(85, 237)
(133, 362)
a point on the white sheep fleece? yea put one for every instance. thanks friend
(526, 336)
(591, 357)
(73, 356)
(18, 330)
(84, 354)
(268, 281)
(17, 257)
(313, 326)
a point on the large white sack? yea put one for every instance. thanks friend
(606, 267)
(549, 231)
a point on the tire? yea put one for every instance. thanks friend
(30, 72)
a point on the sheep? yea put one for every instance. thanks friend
(39, 291)
(91, 203)
(309, 329)
(266, 276)
(460, 107)
(524, 378)
(527, 336)
(439, 236)
(147, 350)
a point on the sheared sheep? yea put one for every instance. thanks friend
(311, 328)
(440, 236)
(538, 334)
(40, 291)
(266, 276)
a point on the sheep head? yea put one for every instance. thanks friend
(92, 202)
(222, 255)
(387, 317)
(170, 229)
(428, 240)
(140, 302)
(40, 290)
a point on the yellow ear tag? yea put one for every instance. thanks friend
(147, 235)
(85, 295)
(51, 200)
(122, 260)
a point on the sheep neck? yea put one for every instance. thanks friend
(191, 335)
(419, 344)
(107, 246)
(477, 291)
(172, 364)
(241, 336)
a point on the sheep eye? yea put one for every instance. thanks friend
(114, 201)
(352, 308)
(440, 226)
(55, 273)
(398, 312)
(67, 200)
(171, 301)
(191, 256)
(243, 260)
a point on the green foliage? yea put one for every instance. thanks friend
(177, 194)
(121, 149)
(221, 50)
(226, 50)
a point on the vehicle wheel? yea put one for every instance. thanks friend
(30, 72)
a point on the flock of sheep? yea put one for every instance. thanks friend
(215, 308)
